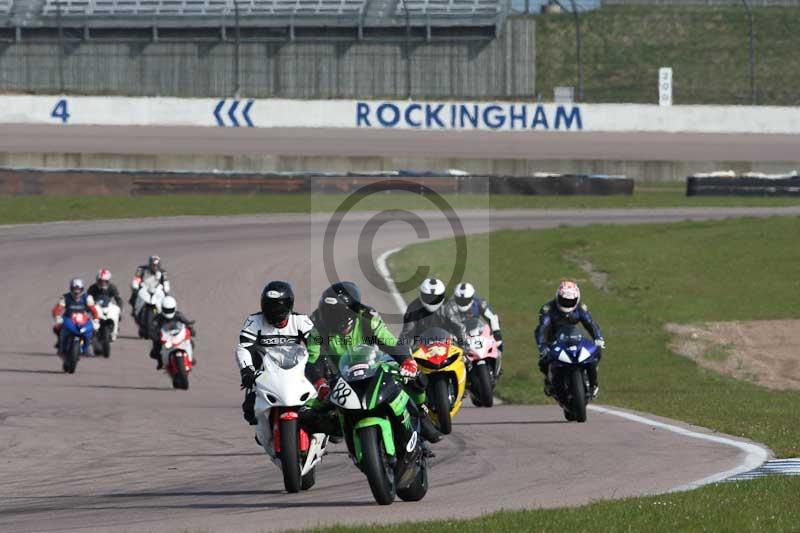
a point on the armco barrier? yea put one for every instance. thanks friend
(742, 186)
(429, 116)
(103, 182)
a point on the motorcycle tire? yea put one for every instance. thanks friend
(441, 404)
(181, 379)
(577, 392)
(290, 455)
(72, 356)
(105, 341)
(309, 479)
(483, 386)
(375, 464)
(568, 416)
(418, 488)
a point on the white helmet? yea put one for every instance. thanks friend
(568, 296)
(463, 296)
(431, 294)
(168, 307)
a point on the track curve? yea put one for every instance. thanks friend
(114, 447)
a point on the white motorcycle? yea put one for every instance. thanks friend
(176, 353)
(281, 391)
(148, 306)
(108, 321)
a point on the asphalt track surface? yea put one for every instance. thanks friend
(113, 447)
(398, 143)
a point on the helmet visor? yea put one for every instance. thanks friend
(567, 303)
(337, 317)
(463, 301)
(276, 311)
(431, 299)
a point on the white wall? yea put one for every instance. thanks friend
(500, 116)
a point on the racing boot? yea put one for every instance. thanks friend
(591, 373)
(429, 431)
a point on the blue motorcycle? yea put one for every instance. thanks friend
(76, 337)
(570, 356)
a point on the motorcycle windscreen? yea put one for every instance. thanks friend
(286, 356)
(362, 362)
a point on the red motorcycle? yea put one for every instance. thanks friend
(176, 354)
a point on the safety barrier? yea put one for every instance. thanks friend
(433, 116)
(105, 182)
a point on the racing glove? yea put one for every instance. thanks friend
(498, 337)
(323, 389)
(96, 324)
(409, 368)
(600, 342)
(249, 375)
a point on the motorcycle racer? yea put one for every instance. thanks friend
(466, 303)
(149, 275)
(566, 309)
(427, 311)
(103, 288)
(74, 301)
(169, 315)
(275, 324)
(341, 322)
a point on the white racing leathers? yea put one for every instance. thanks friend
(256, 331)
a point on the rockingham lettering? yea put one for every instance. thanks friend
(468, 116)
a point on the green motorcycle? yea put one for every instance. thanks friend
(380, 424)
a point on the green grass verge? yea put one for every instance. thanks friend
(688, 272)
(767, 504)
(707, 47)
(28, 209)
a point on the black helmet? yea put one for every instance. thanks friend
(338, 306)
(277, 301)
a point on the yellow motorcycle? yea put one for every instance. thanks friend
(443, 364)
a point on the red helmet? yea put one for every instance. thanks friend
(103, 278)
(568, 296)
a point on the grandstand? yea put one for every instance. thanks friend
(362, 15)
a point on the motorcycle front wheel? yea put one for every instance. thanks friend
(72, 356)
(105, 341)
(483, 385)
(375, 463)
(441, 404)
(181, 379)
(577, 392)
(290, 455)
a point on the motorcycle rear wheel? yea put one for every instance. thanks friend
(375, 463)
(577, 392)
(418, 488)
(309, 479)
(441, 404)
(290, 455)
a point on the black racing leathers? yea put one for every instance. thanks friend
(110, 293)
(418, 319)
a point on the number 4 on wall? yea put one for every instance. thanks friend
(61, 111)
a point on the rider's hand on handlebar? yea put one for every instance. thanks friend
(249, 376)
(600, 342)
(409, 368)
(323, 389)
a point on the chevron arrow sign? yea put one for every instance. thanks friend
(233, 113)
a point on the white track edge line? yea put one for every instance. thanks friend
(755, 454)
